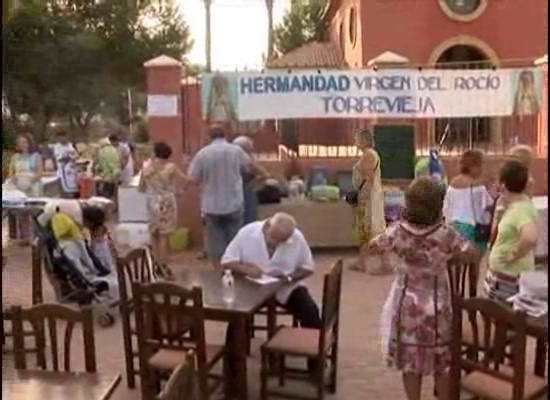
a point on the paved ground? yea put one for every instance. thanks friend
(362, 374)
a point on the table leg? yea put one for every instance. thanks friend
(240, 348)
(540, 357)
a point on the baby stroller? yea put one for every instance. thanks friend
(69, 283)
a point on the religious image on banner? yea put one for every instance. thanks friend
(526, 98)
(219, 94)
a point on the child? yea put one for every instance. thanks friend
(417, 316)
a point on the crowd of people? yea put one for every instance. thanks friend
(466, 220)
(439, 223)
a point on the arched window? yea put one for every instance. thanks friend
(352, 26)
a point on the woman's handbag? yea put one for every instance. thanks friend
(352, 197)
(482, 232)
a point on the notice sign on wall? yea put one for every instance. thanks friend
(366, 94)
(162, 105)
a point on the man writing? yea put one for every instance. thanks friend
(277, 248)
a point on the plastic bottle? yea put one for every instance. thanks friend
(228, 284)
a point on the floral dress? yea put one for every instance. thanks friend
(159, 184)
(417, 316)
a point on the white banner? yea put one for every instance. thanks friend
(406, 93)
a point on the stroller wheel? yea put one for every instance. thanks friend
(105, 320)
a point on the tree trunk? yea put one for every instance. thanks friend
(208, 34)
(270, 47)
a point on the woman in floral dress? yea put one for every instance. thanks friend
(159, 181)
(417, 316)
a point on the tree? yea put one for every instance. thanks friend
(270, 44)
(302, 24)
(76, 58)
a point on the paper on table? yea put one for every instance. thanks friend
(264, 280)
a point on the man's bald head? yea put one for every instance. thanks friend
(245, 143)
(279, 228)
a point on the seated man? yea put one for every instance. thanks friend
(277, 248)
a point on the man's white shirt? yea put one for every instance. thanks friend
(249, 246)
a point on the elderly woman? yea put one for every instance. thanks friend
(250, 178)
(417, 315)
(25, 169)
(524, 155)
(24, 173)
(159, 181)
(367, 180)
(517, 234)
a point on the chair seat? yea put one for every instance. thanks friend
(169, 360)
(492, 388)
(295, 341)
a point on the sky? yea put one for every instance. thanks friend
(239, 31)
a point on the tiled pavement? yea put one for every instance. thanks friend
(362, 374)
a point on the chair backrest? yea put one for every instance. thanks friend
(332, 289)
(463, 276)
(491, 323)
(181, 384)
(135, 267)
(45, 320)
(164, 313)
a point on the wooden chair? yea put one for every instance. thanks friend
(320, 345)
(181, 384)
(463, 277)
(37, 296)
(491, 375)
(165, 313)
(134, 267)
(258, 327)
(44, 319)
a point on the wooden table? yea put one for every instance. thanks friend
(538, 328)
(40, 385)
(249, 299)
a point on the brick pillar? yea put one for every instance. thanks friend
(165, 123)
(163, 91)
(543, 115)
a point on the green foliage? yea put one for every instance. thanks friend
(302, 24)
(75, 59)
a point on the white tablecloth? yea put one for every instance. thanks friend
(541, 204)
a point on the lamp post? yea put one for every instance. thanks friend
(208, 35)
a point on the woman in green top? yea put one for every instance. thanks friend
(513, 250)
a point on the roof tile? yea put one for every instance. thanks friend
(312, 55)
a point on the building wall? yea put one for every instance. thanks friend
(513, 29)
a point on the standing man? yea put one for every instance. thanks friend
(217, 168)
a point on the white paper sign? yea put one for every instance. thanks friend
(162, 105)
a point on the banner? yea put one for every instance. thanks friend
(405, 93)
